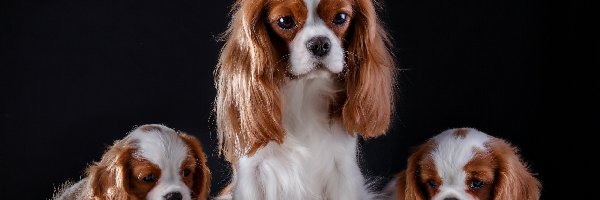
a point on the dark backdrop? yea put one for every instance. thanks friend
(77, 75)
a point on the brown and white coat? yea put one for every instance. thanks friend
(152, 162)
(465, 164)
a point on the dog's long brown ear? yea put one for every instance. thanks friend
(247, 80)
(400, 186)
(370, 74)
(201, 187)
(514, 181)
(109, 178)
(412, 188)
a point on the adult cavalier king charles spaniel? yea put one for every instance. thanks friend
(298, 82)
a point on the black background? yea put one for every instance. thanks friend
(77, 75)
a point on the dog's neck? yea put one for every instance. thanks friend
(307, 101)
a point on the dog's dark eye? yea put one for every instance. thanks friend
(286, 23)
(186, 172)
(150, 178)
(340, 19)
(432, 184)
(476, 184)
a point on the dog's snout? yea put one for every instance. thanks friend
(173, 196)
(319, 46)
(451, 198)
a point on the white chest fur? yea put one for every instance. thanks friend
(317, 159)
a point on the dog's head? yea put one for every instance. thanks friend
(466, 164)
(152, 162)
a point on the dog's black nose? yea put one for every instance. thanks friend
(451, 198)
(173, 196)
(319, 46)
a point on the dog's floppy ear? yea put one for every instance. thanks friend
(514, 181)
(396, 188)
(409, 185)
(201, 186)
(109, 178)
(369, 76)
(247, 81)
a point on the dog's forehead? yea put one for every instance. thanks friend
(312, 5)
(460, 140)
(316, 3)
(160, 145)
(454, 149)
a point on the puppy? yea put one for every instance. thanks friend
(152, 162)
(298, 81)
(465, 164)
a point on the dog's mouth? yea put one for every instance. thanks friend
(318, 71)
